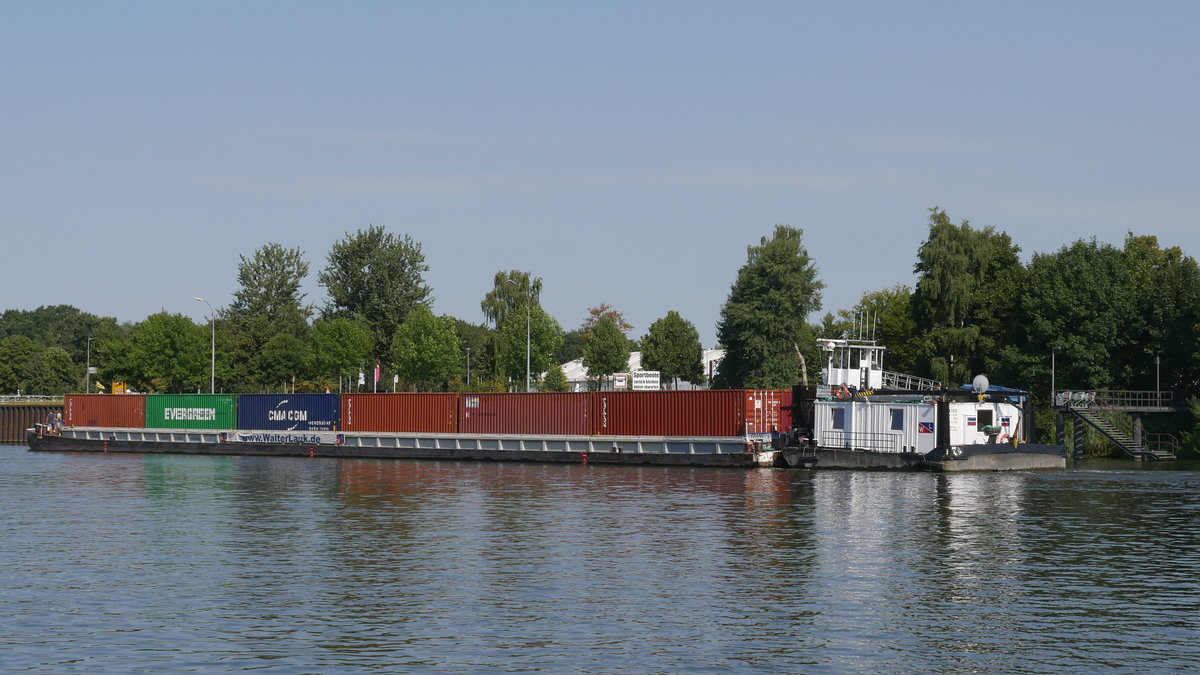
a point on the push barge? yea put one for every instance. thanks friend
(860, 417)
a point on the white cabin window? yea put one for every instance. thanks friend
(897, 419)
(839, 418)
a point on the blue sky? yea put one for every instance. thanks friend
(625, 152)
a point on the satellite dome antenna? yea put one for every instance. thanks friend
(980, 384)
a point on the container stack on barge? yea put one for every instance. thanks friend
(732, 428)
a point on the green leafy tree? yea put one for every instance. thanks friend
(544, 338)
(512, 290)
(170, 354)
(425, 350)
(673, 348)
(59, 325)
(16, 351)
(375, 276)
(957, 266)
(556, 379)
(886, 317)
(267, 304)
(49, 372)
(281, 361)
(605, 351)
(115, 362)
(572, 347)
(1076, 301)
(1164, 285)
(339, 348)
(763, 322)
(480, 346)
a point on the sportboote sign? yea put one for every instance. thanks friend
(647, 380)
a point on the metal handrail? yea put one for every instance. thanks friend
(893, 380)
(1117, 398)
(1162, 442)
(25, 398)
(1121, 421)
(861, 440)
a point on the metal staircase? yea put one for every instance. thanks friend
(1117, 427)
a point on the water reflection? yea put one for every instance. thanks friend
(120, 563)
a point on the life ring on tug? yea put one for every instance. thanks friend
(841, 393)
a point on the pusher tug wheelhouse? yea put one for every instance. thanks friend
(863, 417)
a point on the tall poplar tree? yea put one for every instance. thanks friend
(956, 305)
(511, 291)
(515, 294)
(765, 318)
(267, 303)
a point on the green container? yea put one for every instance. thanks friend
(191, 411)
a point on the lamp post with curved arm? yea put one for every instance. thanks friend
(212, 373)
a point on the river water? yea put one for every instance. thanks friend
(130, 563)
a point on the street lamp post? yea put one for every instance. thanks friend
(87, 377)
(1053, 352)
(212, 373)
(528, 300)
(468, 366)
(1157, 378)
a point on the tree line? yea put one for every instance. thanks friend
(377, 315)
(1112, 317)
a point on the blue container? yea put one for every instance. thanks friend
(289, 412)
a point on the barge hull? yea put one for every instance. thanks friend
(1027, 457)
(716, 452)
(971, 458)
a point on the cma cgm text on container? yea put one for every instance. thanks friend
(289, 412)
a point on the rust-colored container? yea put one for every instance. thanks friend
(718, 412)
(521, 413)
(406, 413)
(104, 410)
(764, 410)
(785, 410)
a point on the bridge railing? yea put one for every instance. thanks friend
(10, 398)
(1119, 399)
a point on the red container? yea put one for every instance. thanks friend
(718, 412)
(105, 410)
(785, 410)
(532, 413)
(764, 410)
(406, 413)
